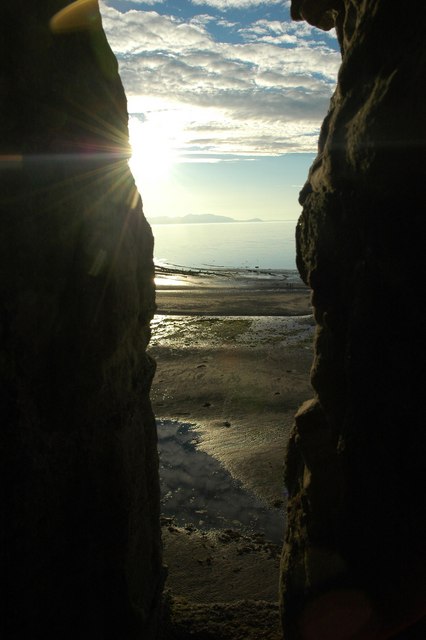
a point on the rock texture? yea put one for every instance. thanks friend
(354, 557)
(80, 499)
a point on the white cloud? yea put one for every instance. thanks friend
(224, 5)
(146, 31)
(252, 98)
(280, 32)
(146, 1)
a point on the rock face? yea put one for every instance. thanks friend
(80, 497)
(354, 558)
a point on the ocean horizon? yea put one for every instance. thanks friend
(237, 245)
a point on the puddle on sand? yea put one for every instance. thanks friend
(196, 489)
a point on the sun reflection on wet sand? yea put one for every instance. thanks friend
(166, 281)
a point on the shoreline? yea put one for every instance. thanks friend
(236, 273)
(230, 292)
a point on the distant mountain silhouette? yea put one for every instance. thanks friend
(192, 218)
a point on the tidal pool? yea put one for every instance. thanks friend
(196, 489)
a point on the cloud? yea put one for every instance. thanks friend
(264, 95)
(279, 32)
(224, 5)
(146, 1)
(146, 31)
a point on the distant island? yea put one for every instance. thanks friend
(201, 218)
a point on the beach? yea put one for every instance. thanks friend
(233, 352)
(231, 292)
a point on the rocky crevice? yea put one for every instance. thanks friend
(354, 468)
(80, 505)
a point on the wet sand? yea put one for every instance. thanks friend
(239, 380)
(233, 354)
(231, 292)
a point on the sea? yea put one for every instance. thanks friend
(221, 245)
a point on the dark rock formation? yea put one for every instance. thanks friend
(354, 558)
(80, 500)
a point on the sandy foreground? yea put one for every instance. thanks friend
(233, 353)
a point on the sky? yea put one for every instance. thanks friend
(225, 101)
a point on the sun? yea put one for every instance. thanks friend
(153, 153)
